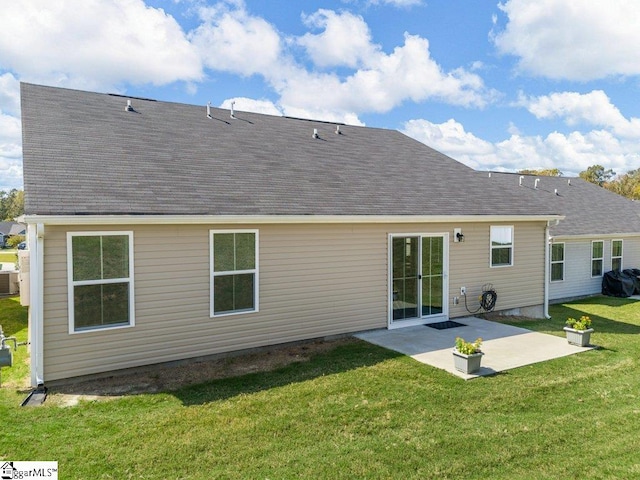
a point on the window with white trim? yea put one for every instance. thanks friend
(234, 271)
(501, 246)
(616, 255)
(100, 276)
(557, 262)
(597, 258)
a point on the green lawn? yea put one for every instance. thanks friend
(359, 412)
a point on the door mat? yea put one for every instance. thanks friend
(445, 325)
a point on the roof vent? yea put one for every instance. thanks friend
(535, 184)
(129, 108)
(569, 181)
(315, 133)
(338, 132)
(489, 174)
(232, 115)
(556, 191)
(521, 179)
(209, 110)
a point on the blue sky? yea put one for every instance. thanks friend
(496, 85)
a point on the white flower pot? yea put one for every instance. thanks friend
(580, 338)
(467, 363)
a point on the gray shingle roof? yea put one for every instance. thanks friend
(589, 209)
(85, 154)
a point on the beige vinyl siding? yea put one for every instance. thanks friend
(315, 281)
(519, 285)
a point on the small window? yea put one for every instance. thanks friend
(616, 255)
(557, 262)
(501, 246)
(100, 273)
(234, 272)
(597, 252)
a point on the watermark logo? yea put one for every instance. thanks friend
(28, 470)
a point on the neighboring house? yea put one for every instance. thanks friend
(9, 229)
(162, 231)
(601, 232)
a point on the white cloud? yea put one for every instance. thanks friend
(99, 43)
(570, 153)
(9, 94)
(572, 39)
(231, 40)
(397, 3)
(345, 40)
(244, 104)
(594, 108)
(10, 152)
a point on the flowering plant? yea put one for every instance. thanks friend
(583, 324)
(468, 348)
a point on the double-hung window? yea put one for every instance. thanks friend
(100, 275)
(597, 257)
(557, 262)
(501, 246)
(616, 255)
(234, 271)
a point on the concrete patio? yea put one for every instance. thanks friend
(505, 347)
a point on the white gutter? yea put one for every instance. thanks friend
(36, 299)
(273, 219)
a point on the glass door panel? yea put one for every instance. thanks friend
(432, 275)
(405, 252)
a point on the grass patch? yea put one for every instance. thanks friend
(360, 411)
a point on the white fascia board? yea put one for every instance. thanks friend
(594, 236)
(274, 219)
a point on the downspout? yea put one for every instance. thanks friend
(36, 298)
(547, 267)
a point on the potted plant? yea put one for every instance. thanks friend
(579, 331)
(467, 355)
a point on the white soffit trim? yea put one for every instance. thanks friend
(273, 219)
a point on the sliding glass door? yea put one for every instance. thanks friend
(418, 283)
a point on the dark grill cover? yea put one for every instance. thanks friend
(621, 284)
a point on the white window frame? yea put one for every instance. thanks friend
(613, 257)
(213, 274)
(73, 283)
(556, 262)
(492, 247)
(594, 259)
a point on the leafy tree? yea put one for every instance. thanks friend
(11, 204)
(597, 174)
(543, 172)
(627, 185)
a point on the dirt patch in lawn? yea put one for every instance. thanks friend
(172, 376)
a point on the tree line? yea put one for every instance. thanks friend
(11, 204)
(627, 184)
